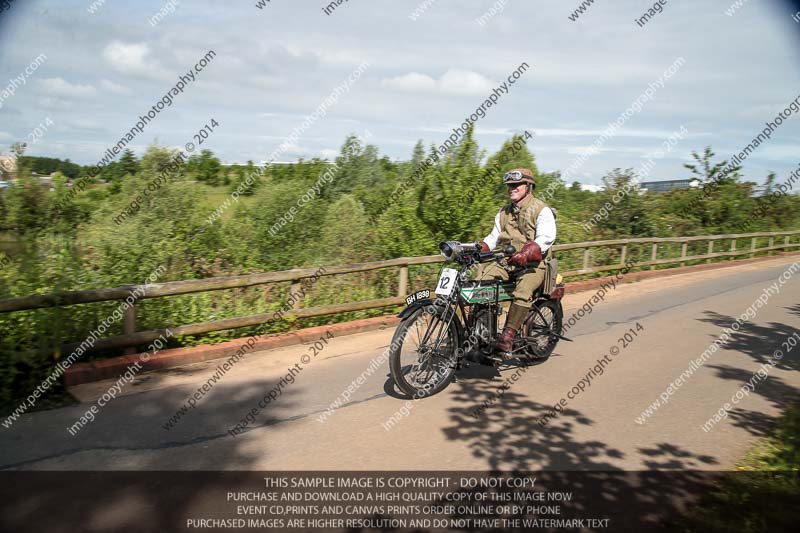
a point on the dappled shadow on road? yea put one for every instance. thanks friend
(500, 427)
(666, 456)
(507, 436)
(128, 434)
(141, 422)
(760, 343)
(774, 390)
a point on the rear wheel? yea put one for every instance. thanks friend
(543, 319)
(422, 355)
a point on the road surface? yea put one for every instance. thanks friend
(679, 317)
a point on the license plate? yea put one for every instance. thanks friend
(446, 282)
(417, 296)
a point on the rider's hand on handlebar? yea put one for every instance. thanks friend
(500, 255)
(530, 252)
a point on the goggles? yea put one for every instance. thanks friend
(514, 176)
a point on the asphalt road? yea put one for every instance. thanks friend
(679, 318)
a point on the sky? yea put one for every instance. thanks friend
(430, 64)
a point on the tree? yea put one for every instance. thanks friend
(28, 205)
(128, 164)
(707, 172)
(418, 154)
(346, 234)
(3, 209)
(453, 200)
(242, 184)
(206, 167)
(621, 207)
(573, 205)
(18, 148)
(721, 203)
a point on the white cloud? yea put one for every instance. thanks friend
(54, 103)
(457, 81)
(87, 124)
(341, 57)
(327, 153)
(777, 151)
(265, 81)
(624, 132)
(478, 130)
(127, 58)
(110, 86)
(410, 82)
(588, 150)
(454, 81)
(61, 87)
(4, 136)
(293, 149)
(133, 59)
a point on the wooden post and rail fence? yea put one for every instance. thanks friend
(132, 338)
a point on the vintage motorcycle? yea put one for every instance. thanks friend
(437, 332)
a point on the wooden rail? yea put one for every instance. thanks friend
(131, 338)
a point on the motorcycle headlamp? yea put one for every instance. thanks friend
(455, 251)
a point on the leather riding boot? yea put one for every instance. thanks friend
(505, 341)
(516, 316)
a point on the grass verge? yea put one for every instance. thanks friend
(763, 494)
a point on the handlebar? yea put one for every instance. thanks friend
(485, 257)
(467, 253)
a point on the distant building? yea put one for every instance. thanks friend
(274, 163)
(46, 181)
(668, 185)
(8, 167)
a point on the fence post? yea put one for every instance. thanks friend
(753, 247)
(733, 249)
(710, 250)
(771, 244)
(296, 288)
(624, 255)
(654, 255)
(785, 242)
(129, 325)
(683, 251)
(403, 284)
(586, 258)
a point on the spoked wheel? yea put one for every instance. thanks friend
(544, 317)
(422, 356)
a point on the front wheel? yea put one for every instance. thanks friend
(542, 321)
(422, 355)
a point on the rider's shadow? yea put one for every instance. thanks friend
(470, 371)
(478, 371)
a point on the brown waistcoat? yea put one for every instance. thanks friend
(518, 223)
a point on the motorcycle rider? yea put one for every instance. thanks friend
(529, 225)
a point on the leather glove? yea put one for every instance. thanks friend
(530, 252)
(484, 247)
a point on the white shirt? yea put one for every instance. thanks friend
(545, 230)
